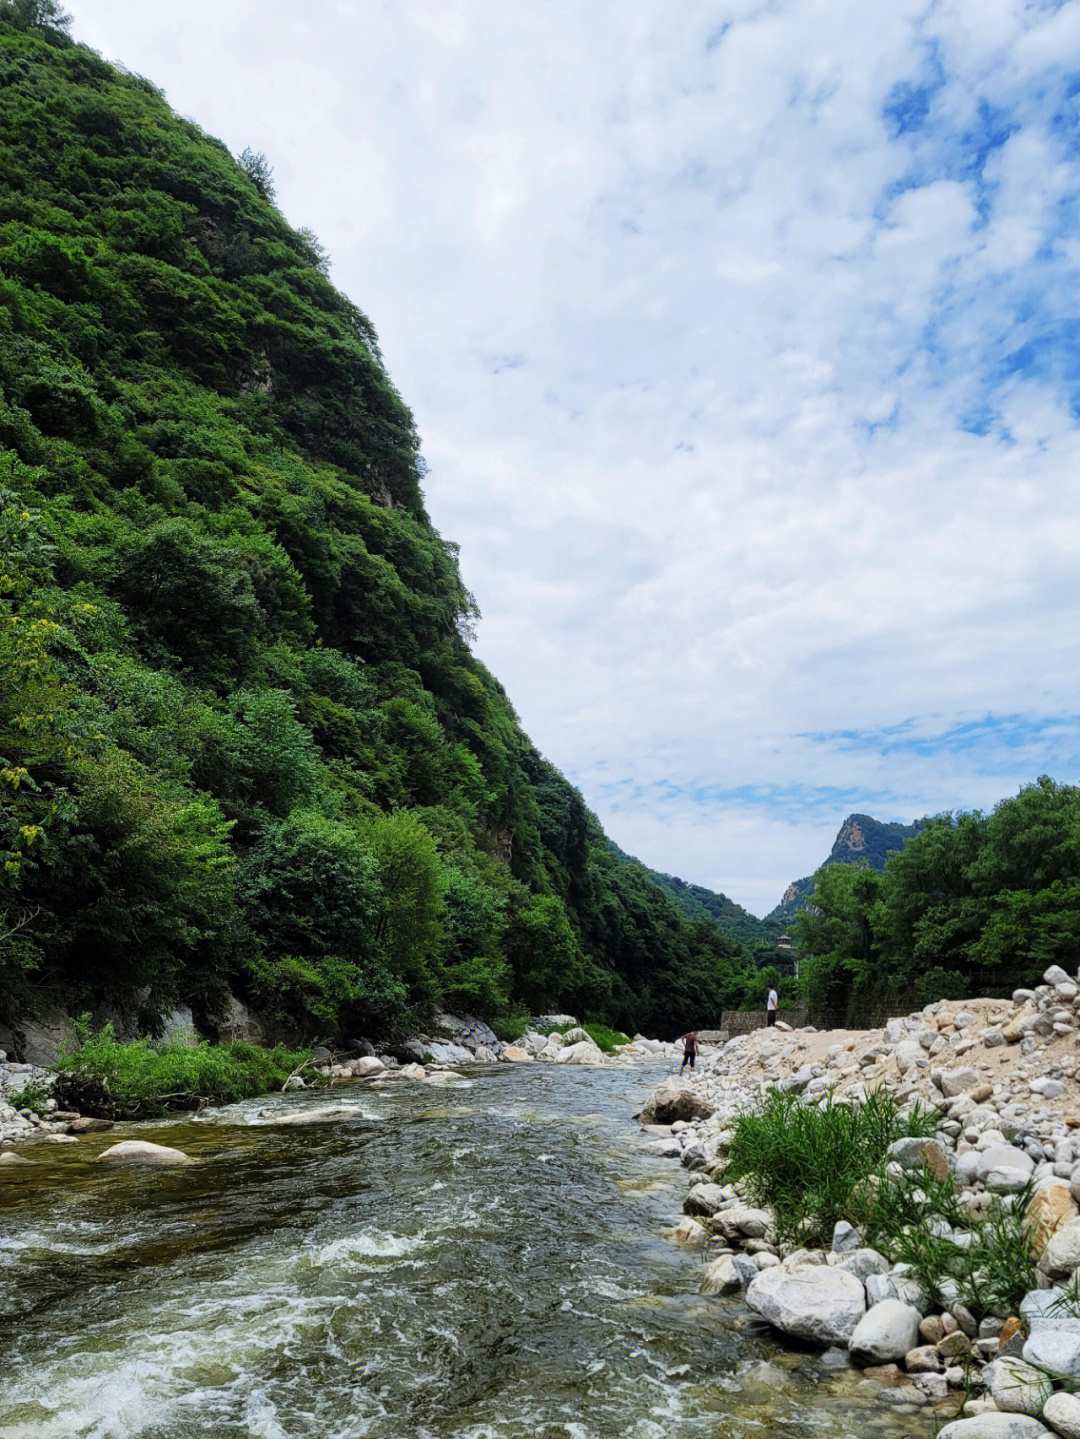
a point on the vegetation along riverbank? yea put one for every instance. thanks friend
(903, 1198)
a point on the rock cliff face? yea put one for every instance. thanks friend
(860, 840)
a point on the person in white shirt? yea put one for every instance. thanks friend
(772, 1004)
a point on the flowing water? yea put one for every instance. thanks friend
(480, 1261)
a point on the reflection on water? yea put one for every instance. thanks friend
(487, 1268)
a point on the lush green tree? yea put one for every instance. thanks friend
(243, 741)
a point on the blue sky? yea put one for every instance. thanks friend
(743, 341)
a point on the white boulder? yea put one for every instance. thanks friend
(819, 1303)
(886, 1332)
(141, 1151)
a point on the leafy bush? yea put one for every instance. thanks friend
(512, 1026)
(33, 1097)
(144, 1081)
(806, 1161)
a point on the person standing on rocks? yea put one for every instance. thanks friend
(772, 1004)
(689, 1050)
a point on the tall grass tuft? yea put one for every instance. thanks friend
(808, 1162)
(144, 1082)
(916, 1219)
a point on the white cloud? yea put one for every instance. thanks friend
(739, 338)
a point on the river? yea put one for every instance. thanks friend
(481, 1261)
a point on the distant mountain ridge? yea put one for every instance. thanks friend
(861, 840)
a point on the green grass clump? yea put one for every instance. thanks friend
(144, 1082)
(604, 1038)
(34, 1098)
(807, 1162)
(906, 1220)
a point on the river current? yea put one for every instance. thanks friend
(481, 1261)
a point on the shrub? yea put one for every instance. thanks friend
(34, 1098)
(513, 1025)
(808, 1161)
(144, 1082)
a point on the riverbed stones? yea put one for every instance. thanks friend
(584, 1051)
(923, 1359)
(1017, 1387)
(514, 1054)
(318, 1114)
(673, 1100)
(367, 1067)
(1053, 1341)
(1050, 1210)
(917, 1152)
(885, 1333)
(721, 1277)
(993, 1425)
(819, 1303)
(1062, 1412)
(1005, 1169)
(742, 1219)
(8, 1158)
(952, 1082)
(704, 1199)
(1061, 1256)
(87, 1124)
(141, 1151)
(689, 1232)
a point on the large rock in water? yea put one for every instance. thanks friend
(675, 1100)
(815, 1302)
(141, 1151)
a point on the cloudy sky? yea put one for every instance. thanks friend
(744, 341)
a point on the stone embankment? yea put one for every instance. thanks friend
(1005, 1078)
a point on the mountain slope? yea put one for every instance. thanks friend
(697, 902)
(244, 745)
(861, 839)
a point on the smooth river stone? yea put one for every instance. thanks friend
(816, 1302)
(1063, 1412)
(141, 1151)
(886, 1332)
(995, 1426)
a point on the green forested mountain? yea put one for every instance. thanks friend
(973, 904)
(697, 902)
(243, 742)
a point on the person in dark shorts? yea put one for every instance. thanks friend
(772, 1005)
(689, 1050)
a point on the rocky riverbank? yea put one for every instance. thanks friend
(29, 1113)
(1005, 1078)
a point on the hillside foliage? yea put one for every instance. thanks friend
(244, 745)
(973, 904)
